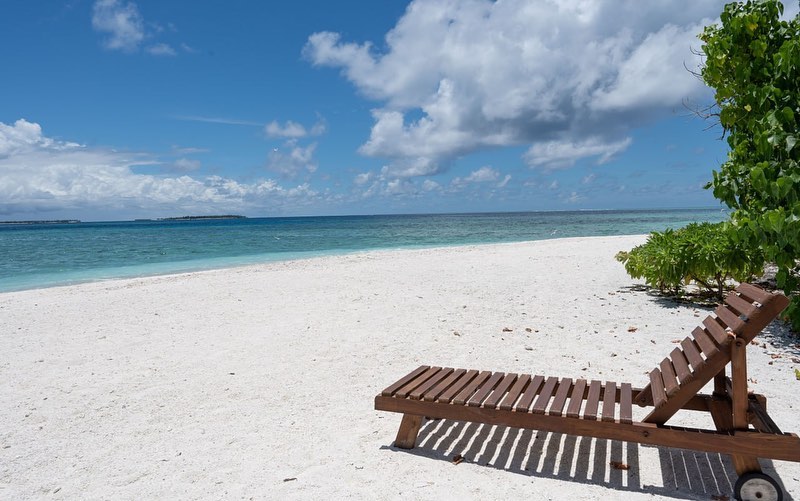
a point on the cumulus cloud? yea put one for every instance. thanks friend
(294, 130)
(292, 160)
(125, 28)
(121, 22)
(38, 173)
(483, 175)
(363, 178)
(385, 182)
(24, 137)
(561, 154)
(453, 77)
(290, 129)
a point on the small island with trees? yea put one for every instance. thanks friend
(195, 218)
(44, 221)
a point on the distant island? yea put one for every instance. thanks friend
(45, 221)
(199, 218)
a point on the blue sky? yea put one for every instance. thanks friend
(114, 109)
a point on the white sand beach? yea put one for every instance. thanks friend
(258, 382)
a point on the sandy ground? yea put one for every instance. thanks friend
(258, 382)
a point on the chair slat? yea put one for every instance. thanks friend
(414, 383)
(705, 342)
(668, 376)
(592, 401)
(500, 392)
(440, 388)
(477, 399)
(576, 399)
(754, 293)
(609, 401)
(514, 393)
(729, 318)
(692, 353)
(457, 387)
(626, 403)
(530, 393)
(430, 383)
(717, 331)
(544, 397)
(681, 366)
(389, 391)
(561, 397)
(657, 387)
(741, 305)
(470, 388)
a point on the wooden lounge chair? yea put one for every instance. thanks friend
(604, 410)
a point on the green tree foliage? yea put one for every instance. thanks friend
(703, 253)
(753, 63)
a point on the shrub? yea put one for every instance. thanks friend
(703, 253)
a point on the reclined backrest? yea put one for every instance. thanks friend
(703, 354)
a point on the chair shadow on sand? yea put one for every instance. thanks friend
(685, 474)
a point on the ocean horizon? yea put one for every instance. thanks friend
(44, 255)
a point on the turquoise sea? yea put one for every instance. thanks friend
(43, 255)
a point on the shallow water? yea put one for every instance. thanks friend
(45, 255)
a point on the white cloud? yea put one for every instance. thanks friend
(25, 137)
(385, 183)
(290, 130)
(562, 154)
(161, 49)
(185, 165)
(319, 128)
(589, 179)
(297, 160)
(121, 22)
(126, 30)
(363, 178)
(643, 80)
(482, 175)
(294, 130)
(39, 174)
(402, 187)
(456, 76)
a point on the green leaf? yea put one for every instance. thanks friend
(784, 186)
(788, 115)
(758, 179)
(753, 65)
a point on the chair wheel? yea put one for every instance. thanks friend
(757, 487)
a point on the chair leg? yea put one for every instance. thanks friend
(721, 413)
(745, 464)
(407, 434)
